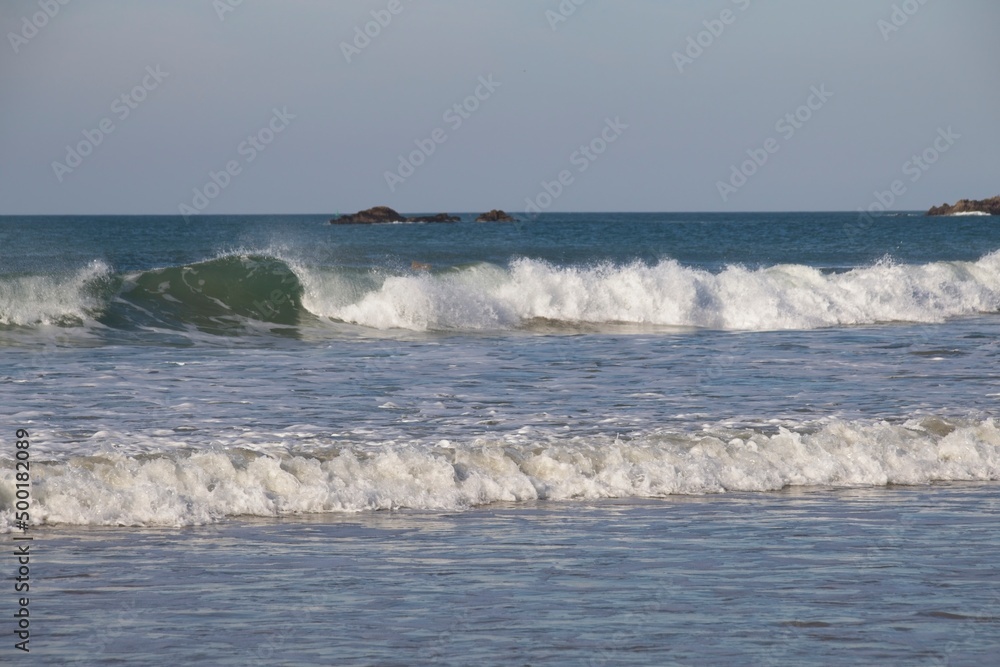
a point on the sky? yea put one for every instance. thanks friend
(330, 106)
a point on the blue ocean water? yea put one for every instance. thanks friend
(609, 383)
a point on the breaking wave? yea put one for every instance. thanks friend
(59, 299)
(486, 296)
(175, 489)
(222, 295)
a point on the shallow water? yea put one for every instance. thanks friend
(903, 576)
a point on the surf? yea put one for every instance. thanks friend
(266, 293)
(178, 487)
(527, 291)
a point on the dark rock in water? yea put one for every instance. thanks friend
(372, 216)
(990, 206)
(440, 217)
(495, 215)
(384, 214)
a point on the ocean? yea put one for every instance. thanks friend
(580, 439)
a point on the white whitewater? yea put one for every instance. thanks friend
(488, 297)
(51, 299)
(175, 489)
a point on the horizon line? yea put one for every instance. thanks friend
(475, 212)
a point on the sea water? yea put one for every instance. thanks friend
(603, 438)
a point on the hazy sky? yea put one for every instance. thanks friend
(266, 89)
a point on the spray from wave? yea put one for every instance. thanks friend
(174, 489)
(60, 299)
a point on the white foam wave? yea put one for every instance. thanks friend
(969, 213)
(487, 297)
(51, 299)
(174, 489)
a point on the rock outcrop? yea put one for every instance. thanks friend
(990, 206)
(371, 216)
(496, 215)
(440, 217)
(383, 214)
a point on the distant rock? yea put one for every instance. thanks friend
(372, 216)
(383, 214)
(440, 217)
(969, 207)
(496, 215)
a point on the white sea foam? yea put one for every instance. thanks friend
(490, 297)
(967, 213)
(175, 488)
(51, 299)
(487, 297)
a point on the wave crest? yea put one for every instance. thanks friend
(224, 294)
(487, 297)
(55, 299)
(218, 294)
(194, 488)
